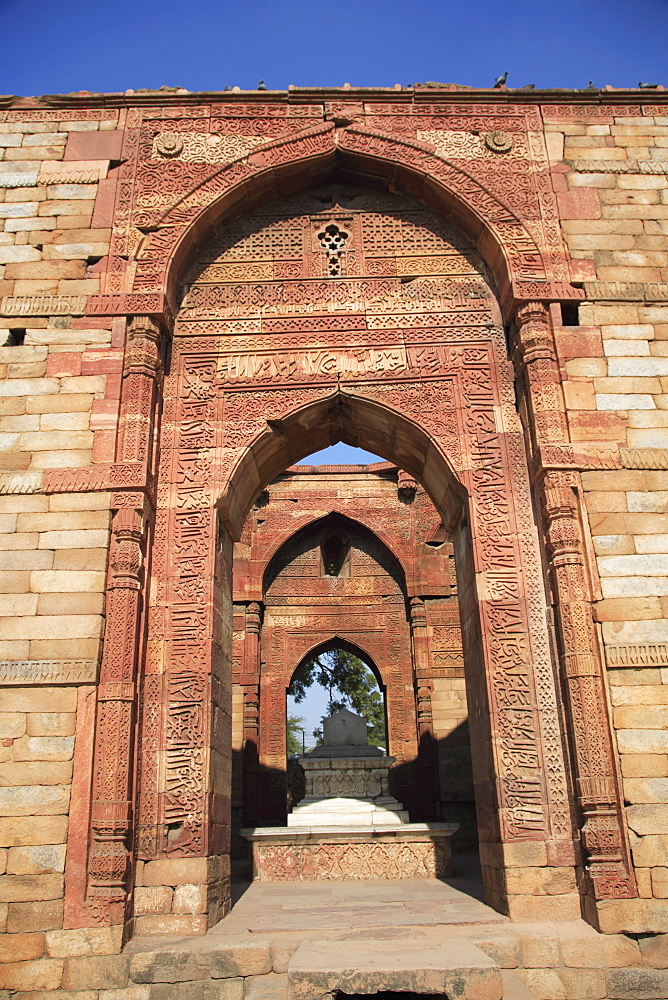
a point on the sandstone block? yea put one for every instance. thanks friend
(642, 716)
(222, 989)
(637, 984)
(651, 543)
(504, 949)
(41, 860)
(540, 951)
(39, 699)
(153, 899)
(53, 402)
(190, 899)
(650, 851)
(642, 741)
(660, 883)
(21, 947)
(52, 627)
(654, 951)
(44, 748)
(171, 923)
(648, 819)
(184, 871)
(36, 801)
(83, 941)
(99, 972)
(644, 765)
(24, 888)
(35, 916)
(27, 831)
(12, 724)
(67, 581)
(35, 773)
(240, 958)
(168, 967)
(44, 974)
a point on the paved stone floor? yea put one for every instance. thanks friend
(270, 907)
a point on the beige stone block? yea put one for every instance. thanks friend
(63, 520)
(586, 368)
(653, 765)
(29, 387)
(52, 626)
(625, 348)
(15, 650)
(634, 586)
(648, 819)
(46, 748)
(642, 741)
(82, 501)
(67, 582)
(40, 800)
(64, 421)
(71, 402)
(64, 649)
(77, 384)
(27, 560)
(44, 974)
(660, 883)
(172, 923)
(18, 604)
(633, 694)
(646, 544)
(22, 540)
(190, 899)
(583, 951)
(76, 604)
(634, 565)
(628, 609)
(12, 724)
(51, 723)
(614, 545)
(606, 501)
(646, 790)
(71, 338)
(86, 538)
(39, 699)
(654, 951)
(153, 899)
(61, 459)
(22, 947)
(83, 941)
(35, 772)
(540, 908)
(540, 951)
(642, 717)
(26, 888)
(621, 401)
(24, 831)
(99, 972)
(45, 859)
(56, 440)
(619, 951)
(17, 504)
(182, 871)
(35, 916)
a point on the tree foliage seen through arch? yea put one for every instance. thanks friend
(349, 684)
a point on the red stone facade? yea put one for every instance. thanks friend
(284, 272)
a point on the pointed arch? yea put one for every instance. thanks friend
(289, 165)
(339, 642)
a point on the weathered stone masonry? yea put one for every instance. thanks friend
(196, 291)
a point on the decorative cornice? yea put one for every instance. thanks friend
(626, 291)
(620, 166)
(637, 654)
(48, 671)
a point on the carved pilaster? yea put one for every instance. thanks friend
(427, 750)
(142, 375)
(111, 808)
(603, 834)
(251, 712)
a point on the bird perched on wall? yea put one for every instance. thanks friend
(591, 86)
(262, 86)
(500, 80)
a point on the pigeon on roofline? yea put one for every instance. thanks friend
(262, 86)
(591, 86)
(500, 80)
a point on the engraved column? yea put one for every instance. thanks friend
(603, 836)
(427, 755)
(251, 710)
(111, 809)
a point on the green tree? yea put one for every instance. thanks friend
(294, 731)
(349, 684)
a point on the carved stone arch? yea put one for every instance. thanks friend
(358, 648)
(285, 166)
(284, 538)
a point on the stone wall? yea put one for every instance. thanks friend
(66, 187)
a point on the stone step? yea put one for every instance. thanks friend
(269, 987)
(456, 968)
(514, 988)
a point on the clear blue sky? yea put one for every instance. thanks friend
(202, 45)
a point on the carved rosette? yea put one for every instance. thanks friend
(602, 835)
(111, 808)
